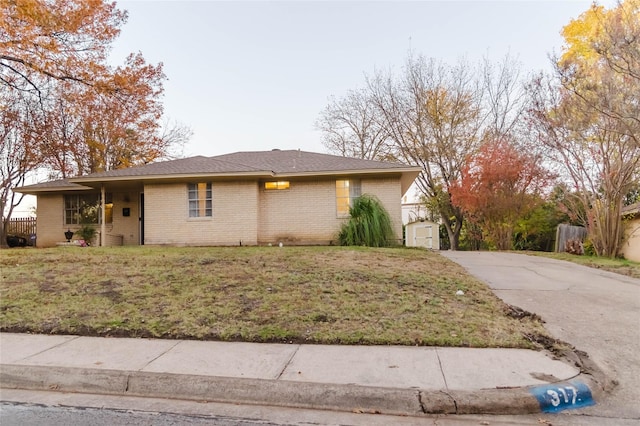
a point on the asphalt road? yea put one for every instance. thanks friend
(596, 311)
(39, 415)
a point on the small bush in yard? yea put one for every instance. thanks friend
(369, 225)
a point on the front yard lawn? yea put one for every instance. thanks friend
(332, 295)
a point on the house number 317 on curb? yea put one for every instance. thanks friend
(563, 396)
(567, 390)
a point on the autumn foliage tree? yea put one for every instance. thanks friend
(91, 116)
(431, 114)
(600, 64)
(60, 40)
(587, 115)
(499, 185)
(92, 130)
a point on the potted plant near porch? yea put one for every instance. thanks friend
(87, 233)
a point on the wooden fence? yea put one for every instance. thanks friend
(22, 226)
(568, 233)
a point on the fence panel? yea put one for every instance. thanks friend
(566, 233)
(22, 226)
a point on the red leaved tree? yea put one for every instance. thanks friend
(499, 185)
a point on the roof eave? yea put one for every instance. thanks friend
(34, 191)
(407, 177)
(407, 174)
(93, 181)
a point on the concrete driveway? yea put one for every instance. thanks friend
(596, 311)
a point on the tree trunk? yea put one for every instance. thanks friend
(453, 232)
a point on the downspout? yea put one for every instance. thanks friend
(103, 217)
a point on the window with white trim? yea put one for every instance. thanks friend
(346, 192)
(200, 199)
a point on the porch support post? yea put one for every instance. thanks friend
(103, 217)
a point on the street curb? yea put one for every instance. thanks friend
(327, 396)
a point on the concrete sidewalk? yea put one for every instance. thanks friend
(378, 379)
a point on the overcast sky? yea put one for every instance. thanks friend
(255, 75)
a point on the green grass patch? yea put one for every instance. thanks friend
(330, 295)
(619, 266)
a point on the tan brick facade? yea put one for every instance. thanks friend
(124, 230)
(243, 213)
(303, 214)
(50, 220)
(389, 193)
(167, 220)
(631, 245)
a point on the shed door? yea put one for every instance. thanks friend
(423, 236)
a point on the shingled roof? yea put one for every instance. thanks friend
(256, 162)
(183, 166)
(260, 164)
(295, 161)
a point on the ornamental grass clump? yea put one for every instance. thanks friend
(369, 225)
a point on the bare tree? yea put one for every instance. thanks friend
(174, 136)
(433, 115)
(18, 152)
(352, 127)
(504, 99)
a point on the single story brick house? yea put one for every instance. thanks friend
(248, 198)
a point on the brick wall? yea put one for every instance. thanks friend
(306, 212)
(167, 221)
(126, 226)
(50, 220)
(631, 244)
(388, 192)
(303, 214)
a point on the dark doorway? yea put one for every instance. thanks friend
(141, 218)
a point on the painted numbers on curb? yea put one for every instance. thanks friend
(563, 396)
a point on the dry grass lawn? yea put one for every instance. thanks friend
(334, 295)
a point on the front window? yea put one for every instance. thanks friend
(200, 200)
(346, 192)
(85, 209)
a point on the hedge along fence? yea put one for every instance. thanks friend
(565, 233)
(21, 226)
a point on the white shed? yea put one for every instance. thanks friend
(422, 234)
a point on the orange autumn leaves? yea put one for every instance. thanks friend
(499, 185)
(59, 39)
(88, 115)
